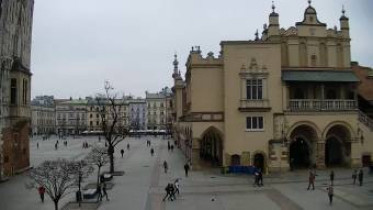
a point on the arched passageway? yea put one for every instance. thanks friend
(337, 146)
(259, 161)
(211, 147)
(235, 160)
(302, 147)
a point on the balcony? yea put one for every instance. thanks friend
(247, 105)
(321, 105)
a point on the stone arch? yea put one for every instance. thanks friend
(211, 146)
(342, 123)
(307, 123)
(302, 149)
(258, 162)
(338, 136)
(235, 160)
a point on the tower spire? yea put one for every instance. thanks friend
(273, 7)
(176, 66)
(343, 10)
(309, 2)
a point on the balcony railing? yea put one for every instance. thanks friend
(246, 104)
(316, 104)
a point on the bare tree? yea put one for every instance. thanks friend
(113, 131)
(98, 157)
(58, 177)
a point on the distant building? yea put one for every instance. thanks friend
(137, 114)
(71, 116)
(15, 84)
(159, 108)
(43, 115)
(287, 99)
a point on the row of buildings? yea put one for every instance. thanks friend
(82, 116)
(290, 98)
(15, 84)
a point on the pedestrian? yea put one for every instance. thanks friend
(168, 146)
(177, 186)
(41, 191)
(99, 193)
(186, 169)
(168, 193)
(332, 177)
(256, 178)
(260, 178)
(37, 145)
(165, 166)
(330, 191)
(361, 177)
(354, 176)
(128, 146)
(122, 152)
(172, 148)
(56, 146)
(311, 180)
(172, 192)
(104, 191)
(152, 151)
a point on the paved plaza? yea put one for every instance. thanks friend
(142, 186)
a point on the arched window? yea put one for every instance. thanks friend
(323, 55)
(303, 54)
(313, 60)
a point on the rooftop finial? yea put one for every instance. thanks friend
(343, 10)
(273, 6)
(309, 2)
(175, 63)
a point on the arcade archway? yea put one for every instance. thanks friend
(211, 147)
(259, 161)
(337, 146)
(302, 147)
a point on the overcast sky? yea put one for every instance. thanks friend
(78, 44)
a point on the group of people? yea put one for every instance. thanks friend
(170, 147)
(171, 190)
(101, 191)
(122, 150)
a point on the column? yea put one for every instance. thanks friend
(320, 154)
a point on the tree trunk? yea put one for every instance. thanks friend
(55, 204)
(111, 156)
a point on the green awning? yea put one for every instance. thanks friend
(319, 76)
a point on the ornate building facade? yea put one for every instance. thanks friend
(287, 99)
(15, 79)
(159, 107)
(43, 115)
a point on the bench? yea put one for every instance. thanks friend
(89, 193)
(107, 177)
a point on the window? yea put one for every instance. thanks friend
(313, 60)
(13, 91)
(25, 90)
(254, 123)
(254, 89)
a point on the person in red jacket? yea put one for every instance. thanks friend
(41, 190)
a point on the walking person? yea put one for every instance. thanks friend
(104, 191)
(168, 194)
(260, 178)
(172, 192)
(354, 176)
(152, 151)
(177, 186)
(168, 146)
(99, 193)
(332, 177)
(361, 174)
(330, 191)
(165, 166)
(128, 146)
(186, 169)
(37, 145)
(311, 180)
(41, 191)
(122, 152)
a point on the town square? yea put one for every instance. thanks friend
(186, 105)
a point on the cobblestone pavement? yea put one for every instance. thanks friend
(142, 186)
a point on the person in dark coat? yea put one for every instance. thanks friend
(354, 176)
(186, 169)
(99, 193)
(330, 191)
(168, 192)
(361, 174)
(152, 151)
(128, 146)
(260, 177)
(165, 166)
(104, 191)
(122, 152)
(332, 177)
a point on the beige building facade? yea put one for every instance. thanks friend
(287, 99)
(159, 108)
(43, 115)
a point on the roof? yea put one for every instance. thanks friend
(319, 76)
